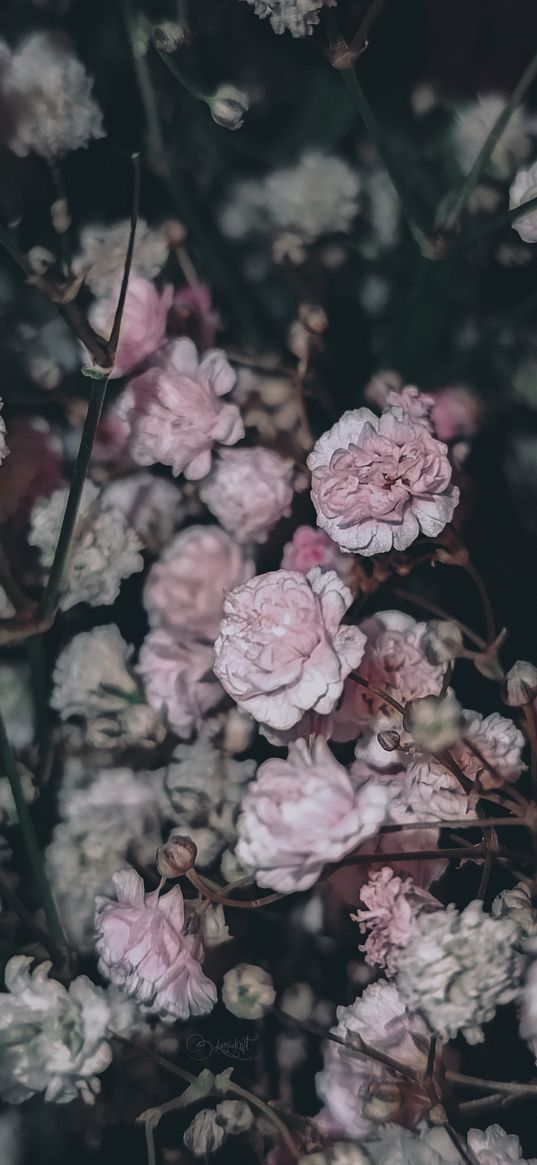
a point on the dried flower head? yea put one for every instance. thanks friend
(247, 991)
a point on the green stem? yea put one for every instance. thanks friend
(175, 72)
(370, 17)
(493, 224)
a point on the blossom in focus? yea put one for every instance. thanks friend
(52, 1039)
(459, 968)
(104, 550)
(249, 490)
(298, 17)
(282, 650)
(520, 685)
(47, 100)
(175, 412)
(152, 506)
(185, 589)
(301, 814)
(493, 1146)
(248, 991)
(178, 679)
(308, 548)
(143, 324)
(473, 125)
(523, 188)
(103, 248)
(377, 483)
(147, 948)
(392, 907)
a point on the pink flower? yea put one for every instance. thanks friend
(143, 325)
(249, 490)
(151, 950)
(455, 413)
(174, 411)
(378, 389)
(282, 650)
(377, 483)
(194, 315)
(393, 904)
(178, 679)
(303, 812)
(308, 548)
(185, 589)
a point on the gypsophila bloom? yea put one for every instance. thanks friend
(516, 904)
(441, 641)
(247, 991)
(472, 126)
(102, 255)
(104, 549)
(434, 722)
(214, 928)
(49, 95)
(428, 1146)
(143, 324)
(152, 506)
(282, 650)
(178, 679)
(520, 684)
(303, 812)
(185, 589)
(228, 106)
(493, 1146)
(393, 905)
(205, 787)
(339, 1153)
(147, 948)
(249, 490)
(308, 548)
(349, 1083)
(298, 17)
(377, 483)
(459, 968)
(523, 188)
(175, 412)
(205, 1134)
(52, 1039)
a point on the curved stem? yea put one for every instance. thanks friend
(478, 1083)
(434, 609)
(217, 896)
(357, 1044)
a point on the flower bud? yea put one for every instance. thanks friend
(247, 991)
(40, 260)
(441, 641)
(235, 1116)
(228, 107)
(205, 1134)
(520, 685)
(389, 740)
(176, 856)
(60, 217)
(168, 36)
(435, 722)
(174, 232)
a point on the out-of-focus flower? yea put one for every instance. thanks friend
(185, 589)
(17, 703)
(456, 412)
(52, 1039)
(193, 315)
(205, 787)
(152, 506)
(249, 490)
(49, 100)
(143, 324)
(32, 470)
(381, 386)
(377, 483)
(247, 991)
(228, 106)
(459, 968)
(178, 679)
(104, 550)
(520, 685)
(326, 816)
(298, 17)
(441, 641)
(147, 948)
(516, 904)
(338, 1153)
(103, 249)
(205, 1134)
(175, 413)
(473, 125)
(393, 905)
(214, 929)
(428, 1146)
(308, 548)
(493, 1146)
(382, 210)
(350, 1083)
(523, 188)
(8, 809)
(434, 722)
(282, 650)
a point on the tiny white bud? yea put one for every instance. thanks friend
(520, 685)
(235, 1115)
(247, 991)
(176, 856)
(441, 641)
(59, 213)
(228, 106)
(168, 36)
(435, 722)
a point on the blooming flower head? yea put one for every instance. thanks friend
(178, 679)
(249, 490)
(52, 1039)
(298, 17)
(472, 127)
(392, 906)
(103, 248)
(148, 947)
(523, 188)
(282, 650)
(377, 483)
(185, 589)
(153, 506)
(302, 813)
(493, 1146)
(247, 991)
(143, 324)
(308, 548)
(455, 412)
(175, 412)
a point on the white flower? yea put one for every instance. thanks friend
(51, 108)
(493, 1146)
(247, 991)
(295, 16)
(516, 904)
(200, 779)
(153, 506)
(472, 127)
(8, 809)
(397, 1146)
(236, 1116)
(214, 929)
(459, 968)
(103, 250)
(205, 1134)
(16, 703)
(104, 549)
(523, 188)
(52, 1040)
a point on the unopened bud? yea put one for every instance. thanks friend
(520, 685)
(40, 259)
(239, 729)
(441, 641)
(313, 317)
(247, 991)
(59, 213)
(390, 740)
(169, 36)
(434, 722)
(228, 107)
(174, 232)
(176, 856)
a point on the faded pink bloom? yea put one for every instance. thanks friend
(282, 650)
(151, 950)
(377, 483)
(456, 413)
(249, 490)
(185, 589)
(194, 315)
(303, 812)
(174, 411)
(143, 325)
(308, 548)
(411, 404)
(178, 679)
(392, 906)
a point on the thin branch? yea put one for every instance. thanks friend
(488, 613)
(434, 609)
(469, 853)
(218, 896)
(506, 218)
(356, 1044)
(371, 16)
(455, 823)
(480, 1084)
(135, 210)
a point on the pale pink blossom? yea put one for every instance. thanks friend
(377, 483)
(143, 325)
(175, 412)
(392, 906)
(178, 679)
(149, 948)
(282, 650)
(185, 589)
(303, 812)
(194, 315)
(249, 490)
(310, 547)
(456, 412)
(411, 404)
